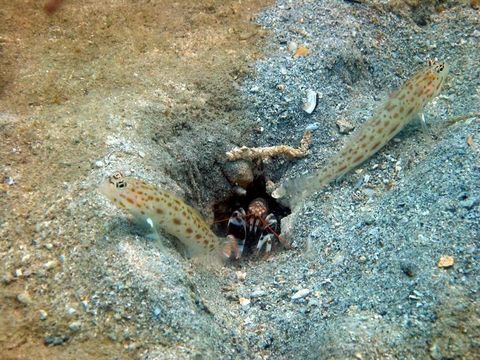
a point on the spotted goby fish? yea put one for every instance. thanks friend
(400, 108)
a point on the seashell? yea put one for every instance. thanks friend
(311, 103)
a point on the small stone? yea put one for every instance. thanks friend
(75, 326)
(24, 298)
(71, 311)
(257, 293)
(301, 51)
(446, 261)
(49, 264)
(55, 340)
(313, 126)
(18, 273)
(141, 154)
(292, 46)
(99, 164)
(254, 89)
(281, 87)
(49, 246)
(42, 315)
(244, 302)
(239, 173)
(300, 294)
(9, 180)
(241, 276)
(133, 346)
(362, 259)
(344, 127)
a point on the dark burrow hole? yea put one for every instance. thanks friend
(223, 210)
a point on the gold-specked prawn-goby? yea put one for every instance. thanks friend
(162, 209)
(400, 108)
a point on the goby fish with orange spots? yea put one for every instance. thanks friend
(400, 108)
(163, 209)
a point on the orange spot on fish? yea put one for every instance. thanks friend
(358, 158)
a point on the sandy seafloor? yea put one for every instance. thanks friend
(365, 249)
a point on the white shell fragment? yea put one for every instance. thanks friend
(311, 103)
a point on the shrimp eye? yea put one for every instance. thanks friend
(121, 184)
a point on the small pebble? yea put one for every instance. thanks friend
(446, 261)
(71, 311)
(75, 326)
(257, 293)
(244, 302)
(49, 246)
(24, 298)
(344, 127)
(18, 273)
(313, 126)
(9, 180)
(49, 265)
(99, 164)
(42, 315)
(241, 276)
(300, 294)
(55, 340)
(292, 46)
(141, 154)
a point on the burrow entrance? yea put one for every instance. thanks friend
(224, 209)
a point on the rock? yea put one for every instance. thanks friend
(241, 276)
(49, 264)
(258, 293)
(75, 326)
(99, 164)
(313, 126)
(300, 294)
(71, 311)
(239, 173)
(344, 127)
(244, 302)
(24, 298)
(55, 340)
(292, 46)
(42, 315)
(446, 261)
